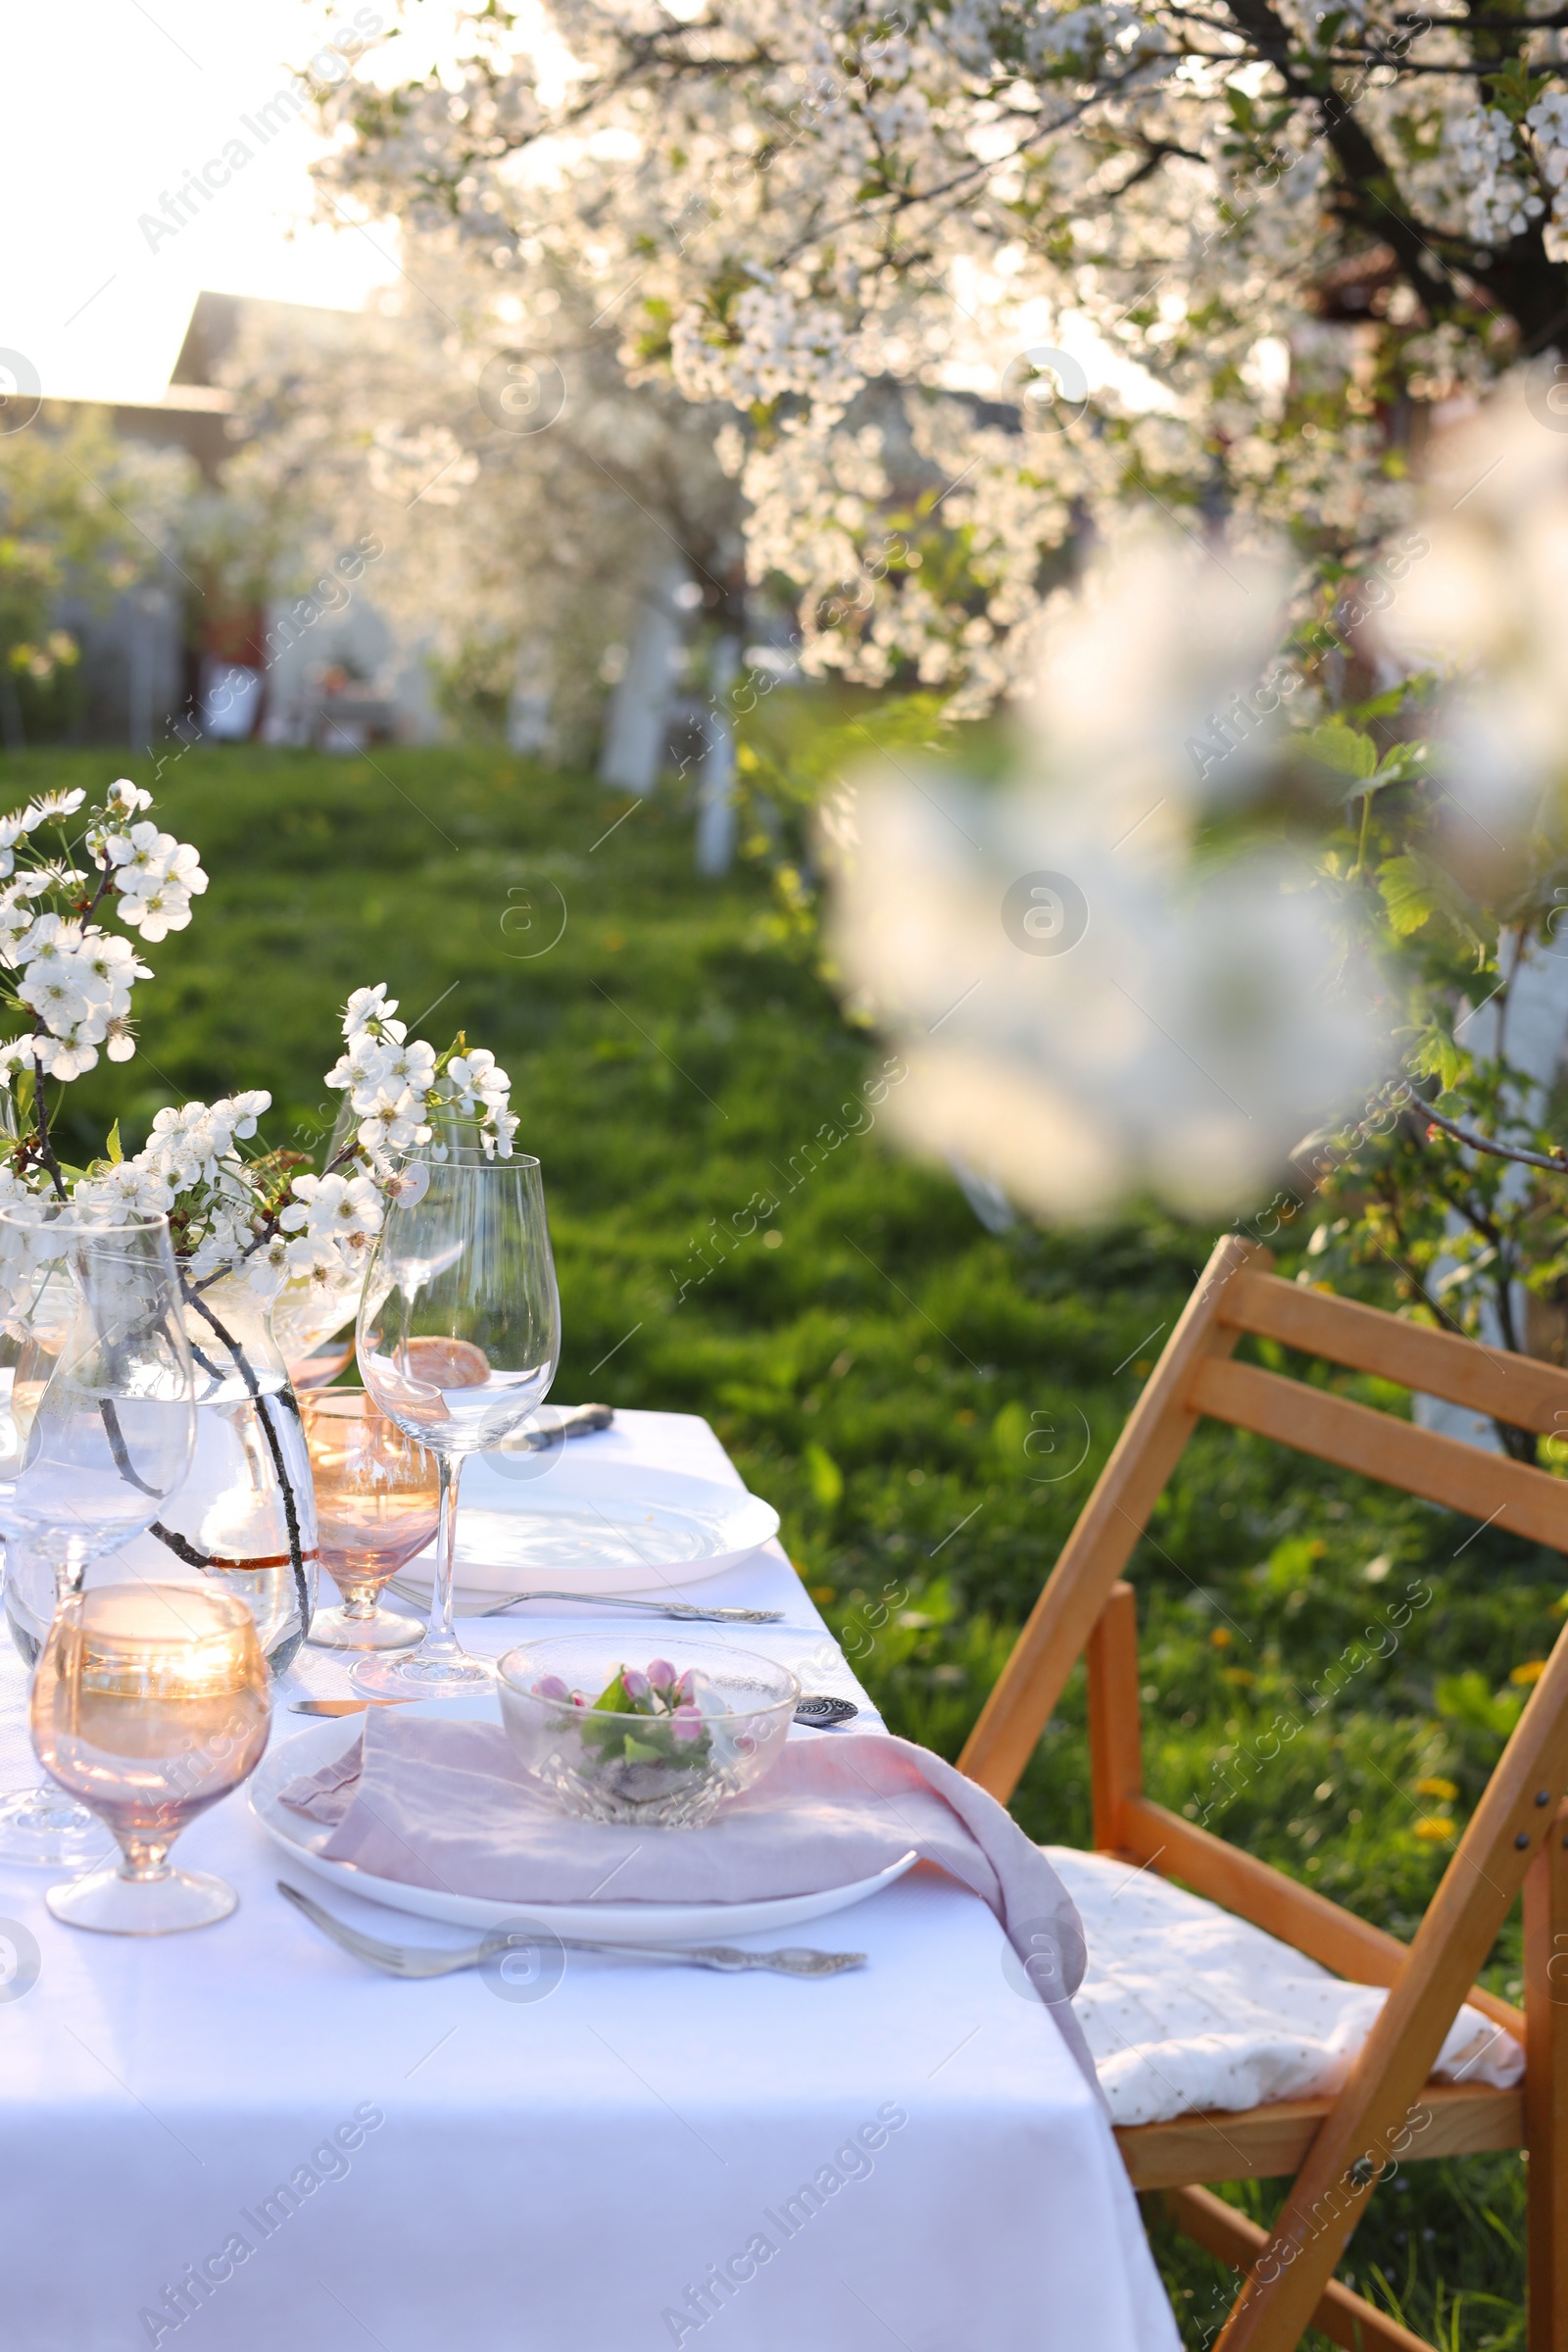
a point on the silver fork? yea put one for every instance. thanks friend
(413, 1960)
(687, 1611)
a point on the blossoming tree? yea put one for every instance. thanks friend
(964, 276)
(979, 289)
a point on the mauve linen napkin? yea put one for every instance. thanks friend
(447, 1805)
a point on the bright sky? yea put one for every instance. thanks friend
(106, 106)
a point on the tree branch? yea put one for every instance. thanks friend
(1557, 1164)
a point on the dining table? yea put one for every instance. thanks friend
(244, 2137)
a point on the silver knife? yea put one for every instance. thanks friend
(580, 1422)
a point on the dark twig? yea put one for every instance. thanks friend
(291, 1517)
(1558, 1164)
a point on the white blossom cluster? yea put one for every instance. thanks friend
(1487, 608)
(1549, 119)
(229, 1213)
(1500, 203)
(69, 977)
(398, 1089)
(191, 1171)
(1188, 1028)
(778, 343)
(232, 1215)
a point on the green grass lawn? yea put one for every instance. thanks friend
(927, 1404)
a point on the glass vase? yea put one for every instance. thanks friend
(244, 1522)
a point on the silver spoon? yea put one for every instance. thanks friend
(414, 1960)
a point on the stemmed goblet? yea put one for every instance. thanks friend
(151, 1702)
(97, 1423)
(459, 1333)
(376, 1504)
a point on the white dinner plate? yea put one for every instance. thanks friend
(593, 1525)
(605, 1922)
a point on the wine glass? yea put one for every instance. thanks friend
(377, 1502)
(459, 1332)
(96, 1423)
(150, 1702)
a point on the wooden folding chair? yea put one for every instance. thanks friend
(1517, 1837)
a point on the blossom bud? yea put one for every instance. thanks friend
(551, 1685)
(634, 1683)
(686, 1725)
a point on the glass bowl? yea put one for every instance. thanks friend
(693, 1725)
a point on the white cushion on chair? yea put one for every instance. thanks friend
(1187, 2007)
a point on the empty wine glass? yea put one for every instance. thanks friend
(96, 1423)
(150, 1702)
(377, 1502)
(459, 1332)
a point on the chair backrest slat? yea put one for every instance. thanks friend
(1509, 1494)
(1516, 1388)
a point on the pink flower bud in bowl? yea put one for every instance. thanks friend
(605, 1740)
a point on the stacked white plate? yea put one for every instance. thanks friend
(301, 1840)
(574, 1522)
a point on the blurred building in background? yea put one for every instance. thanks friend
(162, 658)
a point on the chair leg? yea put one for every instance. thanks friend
(1115, 1743)
(1343, 2317)
(1547, 2088)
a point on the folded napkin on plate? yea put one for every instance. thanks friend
(446, 1806)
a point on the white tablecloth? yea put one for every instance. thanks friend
(647, 2156)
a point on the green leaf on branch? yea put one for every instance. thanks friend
(1403, 765)
(1438, 1056)
(1515, 89)
(1341, 748)
(112, 1151)
(1414, 889)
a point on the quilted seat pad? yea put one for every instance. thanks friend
(1186, 2007)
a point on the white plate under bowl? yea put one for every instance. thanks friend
(605, 1922)
(593, 1525)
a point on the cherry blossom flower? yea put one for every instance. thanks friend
(368, 1007)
